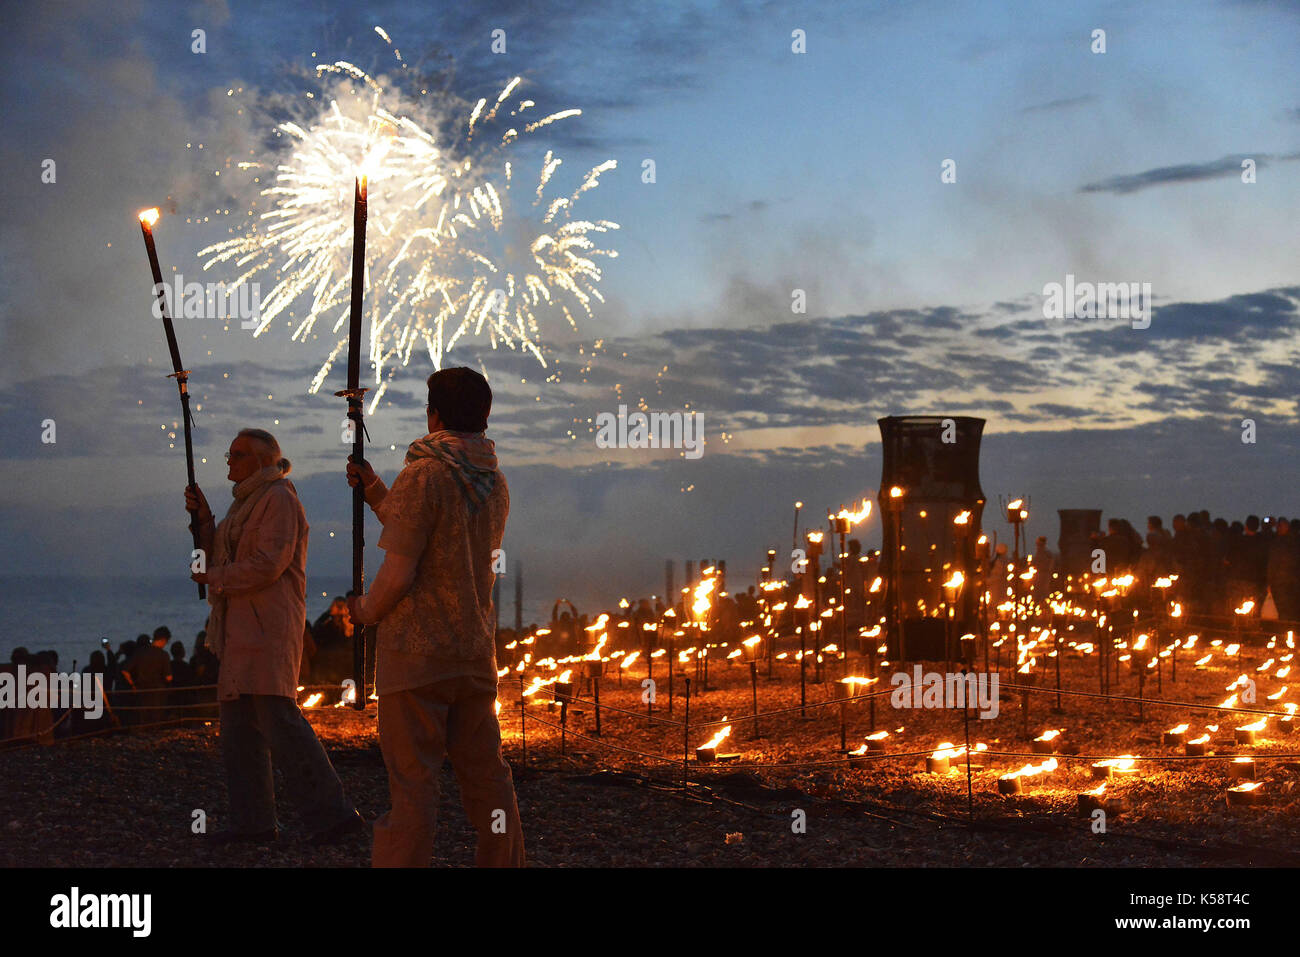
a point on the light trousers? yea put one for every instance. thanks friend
(455, 718)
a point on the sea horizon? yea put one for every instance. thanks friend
(69, 614)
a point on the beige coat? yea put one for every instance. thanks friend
(266, 599)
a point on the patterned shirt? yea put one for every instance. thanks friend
(447, 613)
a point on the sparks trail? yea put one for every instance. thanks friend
(461, 245)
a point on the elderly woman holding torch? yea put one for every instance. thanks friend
(257, 579)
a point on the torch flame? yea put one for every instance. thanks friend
(702, 602)
(854, 680)
(863, 512)
(149, 216)
(717, 739)
(1032, 770)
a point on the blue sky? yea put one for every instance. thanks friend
(775, 171)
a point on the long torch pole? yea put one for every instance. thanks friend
(180, 374)
(354, 394)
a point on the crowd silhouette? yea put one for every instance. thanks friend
(150, 680)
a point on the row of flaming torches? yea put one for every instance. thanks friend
(1020, 607)
(948, 755)
(1031, 641)
(1027, 649)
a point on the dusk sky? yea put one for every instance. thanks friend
(775, 171)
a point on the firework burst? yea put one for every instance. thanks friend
(459, 246)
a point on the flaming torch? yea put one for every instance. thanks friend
(1246, 733)
(1244, 795)
(1098, 800)
(1103, 770)
(874, 744)
(1175, 736)
(147, 218)
(708, 751)
(1048, 741)
(843, 523)
(1012, 783)
(1242, 768)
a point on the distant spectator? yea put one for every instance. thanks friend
(182, 673)
(150, 672)
(332, 636)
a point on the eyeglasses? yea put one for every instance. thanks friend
(237, 455)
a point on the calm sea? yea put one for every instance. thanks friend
(70, 615)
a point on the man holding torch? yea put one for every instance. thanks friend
(435, 670)
(257, 579)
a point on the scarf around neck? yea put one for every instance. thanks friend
(246, 494)
(471, 456)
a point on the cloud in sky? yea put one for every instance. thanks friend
(1060, 104)
(1184, 173)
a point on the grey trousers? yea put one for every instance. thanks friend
(256, 728)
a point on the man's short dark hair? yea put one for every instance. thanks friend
(461, 397)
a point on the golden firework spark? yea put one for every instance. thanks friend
(457, 246)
